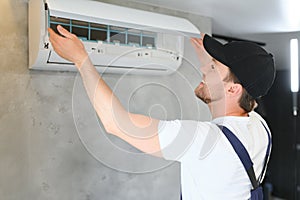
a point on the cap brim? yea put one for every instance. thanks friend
(215, 49)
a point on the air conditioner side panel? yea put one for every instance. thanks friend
(36, 29)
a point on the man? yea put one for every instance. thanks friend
(234, 75)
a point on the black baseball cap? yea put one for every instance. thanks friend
(250, 63)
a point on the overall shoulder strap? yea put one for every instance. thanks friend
(267, 155)
(242, 154)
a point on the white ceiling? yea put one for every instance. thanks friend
(236, 17)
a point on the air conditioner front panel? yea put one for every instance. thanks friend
(132, 18)
(143, 59)
(56, 63)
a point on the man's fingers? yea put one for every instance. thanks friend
(51, 32)
(53, 36)
(54, 44)
(64, 32)
(197, 42)
(202, 35)
(193, 42)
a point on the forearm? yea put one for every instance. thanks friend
(138, 130)
(101, 96)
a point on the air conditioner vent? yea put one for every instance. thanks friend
(89, 31)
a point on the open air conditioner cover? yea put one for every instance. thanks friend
(118, 39)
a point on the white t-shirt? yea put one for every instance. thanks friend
(210, 168)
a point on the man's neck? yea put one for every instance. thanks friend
(221, 109)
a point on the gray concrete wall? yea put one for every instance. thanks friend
(47, 147)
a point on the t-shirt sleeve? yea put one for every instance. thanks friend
(180, 139)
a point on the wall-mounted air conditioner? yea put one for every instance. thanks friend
(118, 39)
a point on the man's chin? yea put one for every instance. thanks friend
(204, 99)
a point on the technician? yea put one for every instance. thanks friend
(234, 76)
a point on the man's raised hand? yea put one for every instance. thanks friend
(68, 46)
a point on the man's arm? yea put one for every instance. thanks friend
(138, 130)
(202, 54)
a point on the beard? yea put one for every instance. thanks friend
(202, 92)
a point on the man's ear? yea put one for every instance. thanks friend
(235, 89)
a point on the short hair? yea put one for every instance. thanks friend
(246, 101)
